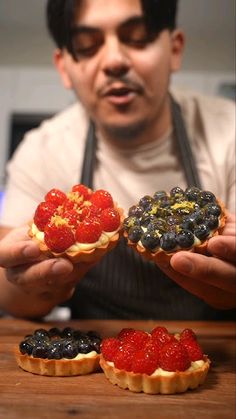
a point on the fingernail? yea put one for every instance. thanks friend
(60, 267)
(186, 266)
(31, 251)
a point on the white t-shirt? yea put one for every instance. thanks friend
(51, 156)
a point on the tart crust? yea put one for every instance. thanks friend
(57, 367)
(86, 256)
(177, 382)
(161, 256)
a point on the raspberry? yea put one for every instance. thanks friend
(102, 199)
(174, 357)
(137, 339)
(72, 217)
(43, 214)
(193, 348)
(109, 347)
(124, 356)
(144, 362)
(55, 196)
(162, 336)
(82, 190)
(187, 333)
(110, 219)
(88, 211)
(58, 237)
(125, 333)
(88, 231)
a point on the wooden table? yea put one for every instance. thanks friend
(24, 395)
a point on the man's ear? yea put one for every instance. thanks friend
(177, 48)
(59, 59)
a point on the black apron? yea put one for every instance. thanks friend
(125, 286)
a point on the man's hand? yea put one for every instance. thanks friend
(211, 278)
(47, 281)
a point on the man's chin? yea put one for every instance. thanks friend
(124, 131)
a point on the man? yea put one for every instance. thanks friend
(118, 57)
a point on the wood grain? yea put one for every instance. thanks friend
(24, 395)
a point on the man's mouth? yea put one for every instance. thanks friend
(119, 95)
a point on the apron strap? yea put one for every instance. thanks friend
(184, 147)
(89, 160)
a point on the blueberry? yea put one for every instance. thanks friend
(197, 217)
(206, 197)
(135, 234)
(84, 346)
(159, 225)
(176, 192)
(192, 193)
(147, 219)
(130, 222)
(212, 222)
(172, 221)
(41, 334)
(168, 241)
(187, 224)
(165, 202)
(40, 350)
(54, 332)
(54, 351)
(145, 201)
(67, 332)
(202, 231)
(95, 345)
(213, 209)
(158, 195)
(26, 346)
(150, 240)
(93, 334)
(77, 334)
(136, 211)
(185, 239)
(70, 349)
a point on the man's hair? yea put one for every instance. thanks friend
(158, 14)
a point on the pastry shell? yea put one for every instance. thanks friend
(177, 382)
(57, 367)
(161, 256)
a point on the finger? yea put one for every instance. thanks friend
(223, 247)
(47, 272)
(17, 253)
(229, 229)
(209, 270)
(213, 296)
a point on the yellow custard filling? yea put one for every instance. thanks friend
(103, 239)
(160, 372)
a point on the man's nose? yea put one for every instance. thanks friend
(115, 60)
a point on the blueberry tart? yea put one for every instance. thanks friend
(81, 225)
(57, 352)
(154, 363)
(165, 223)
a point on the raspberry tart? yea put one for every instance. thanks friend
(165, 223)
(81, 225)
(57, 352)
(154, 363)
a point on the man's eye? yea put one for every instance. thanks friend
(86, 45)
(81, 52)
(135, 35)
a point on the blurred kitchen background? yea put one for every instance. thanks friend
(30, 88)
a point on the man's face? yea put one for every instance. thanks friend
(121, 75)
